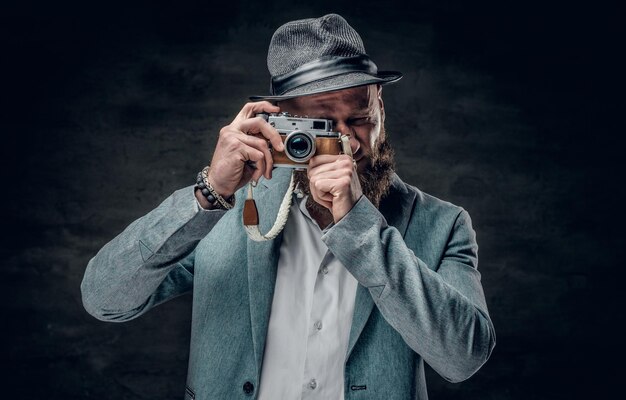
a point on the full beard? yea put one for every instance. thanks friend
(375, 179)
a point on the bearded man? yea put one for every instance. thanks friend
(369, 278)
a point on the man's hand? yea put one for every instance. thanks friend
(334, 183)
(238, 156)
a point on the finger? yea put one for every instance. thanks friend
(327, 197)
(336, 163)
(335, 186)
(232, 141)
(333, 161)
(251, 109)
(261, 145)
(332, 174)
(255, 160)
(325, 203)
(259, 125)
(258, 169)
(248, 153)
(258, 152)
(256, 175)
(324, 190)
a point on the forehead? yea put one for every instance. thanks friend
(347, 101)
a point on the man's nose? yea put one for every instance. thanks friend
(344, 129)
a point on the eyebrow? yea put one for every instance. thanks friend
(362, 114)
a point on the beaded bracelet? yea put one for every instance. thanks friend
(210, 194)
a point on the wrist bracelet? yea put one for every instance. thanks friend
(210, 194)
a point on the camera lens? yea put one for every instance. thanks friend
(299, 146)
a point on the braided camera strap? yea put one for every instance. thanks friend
(251, 214)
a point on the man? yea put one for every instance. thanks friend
(370, 277)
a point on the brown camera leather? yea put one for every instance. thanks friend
(322, 146)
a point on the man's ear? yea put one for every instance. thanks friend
(379, 95)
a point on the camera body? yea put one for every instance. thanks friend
(303, 138)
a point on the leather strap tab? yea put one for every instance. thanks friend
(250, 213)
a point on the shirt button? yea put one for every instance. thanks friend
(312, 384)
(318, 325)
(248, 388)
(325, 270)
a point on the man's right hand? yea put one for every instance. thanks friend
(239, 156)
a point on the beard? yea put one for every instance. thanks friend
(375, 178)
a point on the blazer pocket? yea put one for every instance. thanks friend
(189, 394)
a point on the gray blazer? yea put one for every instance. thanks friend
(419, 296)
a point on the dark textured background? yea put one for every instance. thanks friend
(507, 109)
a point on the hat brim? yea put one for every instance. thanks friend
(339, 82)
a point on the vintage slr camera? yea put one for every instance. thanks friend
(303, 138)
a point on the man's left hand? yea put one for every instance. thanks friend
(334, 183)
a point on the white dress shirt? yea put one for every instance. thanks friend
(311, 316)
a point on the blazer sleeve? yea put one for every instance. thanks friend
(150, 262)
(440, 312)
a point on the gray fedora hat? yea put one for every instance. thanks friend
(318, 55)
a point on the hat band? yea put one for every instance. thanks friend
(321, 68)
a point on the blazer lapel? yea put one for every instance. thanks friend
(396, 207)
(263, 258)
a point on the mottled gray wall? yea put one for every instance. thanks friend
(505, 110)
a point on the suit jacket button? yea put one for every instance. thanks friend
(248, 388)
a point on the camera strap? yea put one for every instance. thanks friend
(251, 214)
